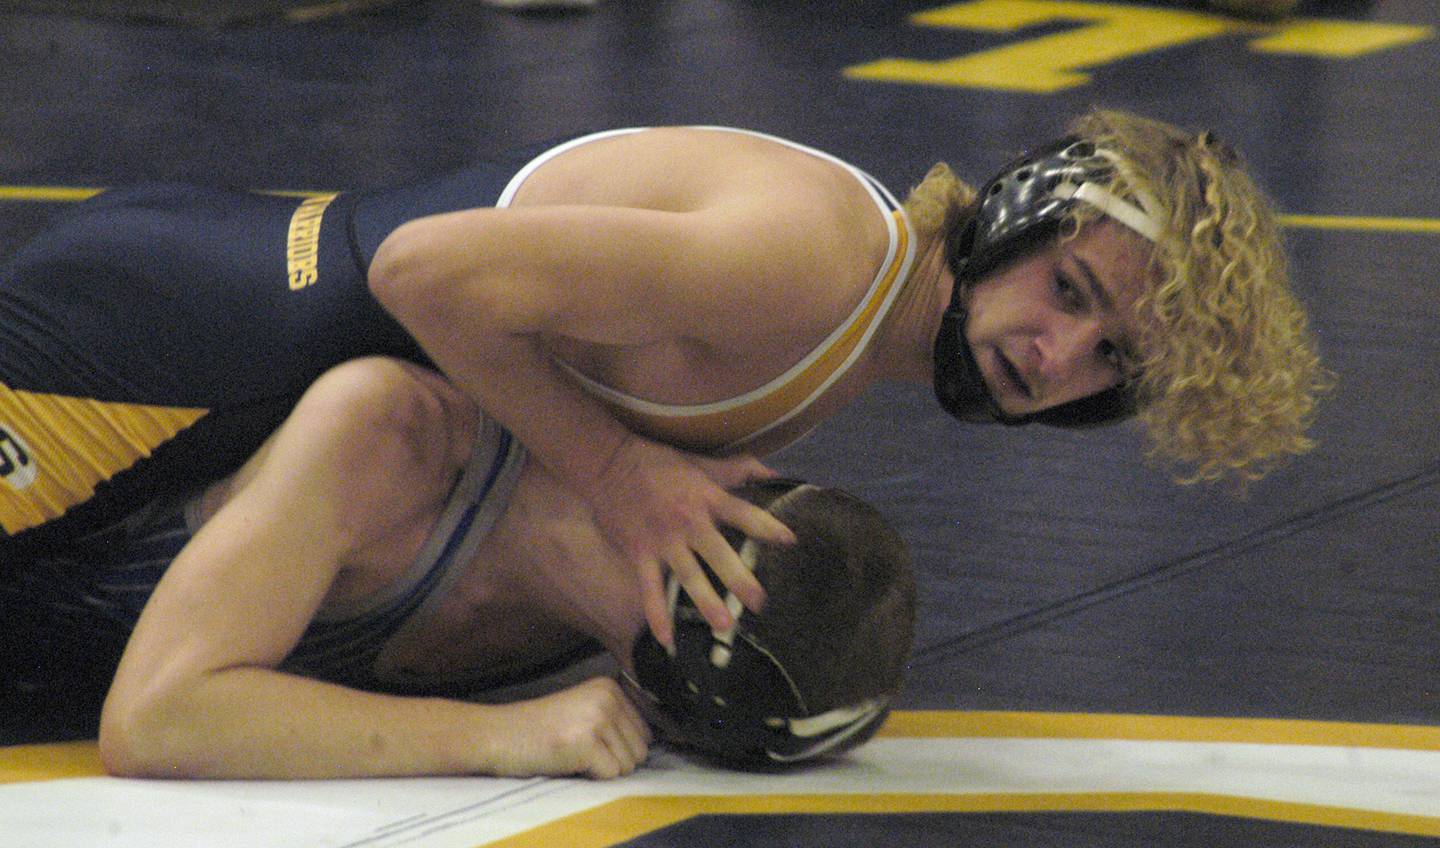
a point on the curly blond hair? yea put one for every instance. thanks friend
(939, 204)
(1231, 373)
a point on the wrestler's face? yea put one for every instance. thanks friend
(1060, 324)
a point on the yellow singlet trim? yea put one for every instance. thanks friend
(731, 423)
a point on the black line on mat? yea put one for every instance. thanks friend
(991, 634)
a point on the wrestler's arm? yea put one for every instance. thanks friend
(198, 694)
(480, 289)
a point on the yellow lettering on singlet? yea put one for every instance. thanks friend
(1109, 32)
(54, 449)
(302, 247)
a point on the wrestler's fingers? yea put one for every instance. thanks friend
(734, 471)
(603, 763)
(618, 750)
(731, 570)
(634, 733)
(619, 759)
(698, 586)
(752, 520)
(655, 604)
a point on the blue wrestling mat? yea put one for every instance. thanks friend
(1103, 658)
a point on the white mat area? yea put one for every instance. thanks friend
(1375, 788)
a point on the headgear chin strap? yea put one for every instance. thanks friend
(959, 385)
(726, 695)
(1020, 209)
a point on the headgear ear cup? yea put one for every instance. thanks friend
(730, 696)
(1021, 207)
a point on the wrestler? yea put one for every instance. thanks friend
(647, 310)
(390, 549)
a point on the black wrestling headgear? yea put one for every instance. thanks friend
(1019, 210)
(727, 696)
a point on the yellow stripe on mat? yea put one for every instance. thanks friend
(52, 194)
(68, 194)
(1262, 731)
(626, 819)
(33, 763)
(1361, 223)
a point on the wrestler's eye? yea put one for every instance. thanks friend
(1070, 295)
(1113, 356)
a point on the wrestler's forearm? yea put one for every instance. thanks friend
(258, 723)
(469, 331)
(519, 385)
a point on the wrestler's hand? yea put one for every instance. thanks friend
(590, 729)
(662, 509)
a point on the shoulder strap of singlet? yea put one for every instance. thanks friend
(761, 410)
(346, 643)
(481, 496)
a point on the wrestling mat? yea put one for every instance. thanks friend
(930, 779)
(1103, 658)
(199, 13)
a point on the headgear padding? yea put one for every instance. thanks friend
(789, 685)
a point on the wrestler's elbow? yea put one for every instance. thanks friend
(419, 274)
(398, 275)
(143, 737)
(123, 753)
(439, 290)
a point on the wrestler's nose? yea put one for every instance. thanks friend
(1069, 347)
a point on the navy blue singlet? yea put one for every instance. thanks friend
(153, 338)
